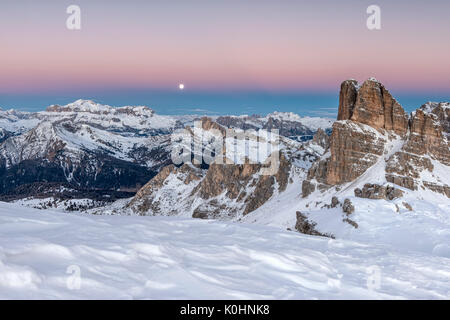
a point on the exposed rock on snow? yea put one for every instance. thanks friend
(373, 128)
(350, 222)
(348, 207)
(306, 227)
(375, 191)
(322, 139)
(426, 147)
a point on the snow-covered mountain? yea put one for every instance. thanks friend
(377, 159)
(384, 179)
(86, 146)
(98, 148)
(361, 212)
(226, 191)
(83, 145)
(289, 124)
(137, 120)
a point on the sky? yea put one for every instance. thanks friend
(233, 56)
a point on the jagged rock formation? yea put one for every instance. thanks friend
(375, 191)
(371, 104)
(426, 146)
(372, 124)
(222, 190)
(347, 99)
(376, 107)
(354, 148)
(148, 199)
(348, 207)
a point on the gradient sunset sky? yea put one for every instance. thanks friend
(234, 56)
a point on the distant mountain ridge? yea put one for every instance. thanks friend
(289, 124)
(88, 146)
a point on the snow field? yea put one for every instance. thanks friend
(130, 257)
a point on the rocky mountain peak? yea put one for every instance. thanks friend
(347, 99)
(440, 112)
(372, 127)
(371, 104)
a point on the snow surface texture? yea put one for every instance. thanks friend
(54, 255)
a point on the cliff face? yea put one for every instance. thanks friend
(376, 107)
(426, 147)
(354, 148)
(347, 99)
(371, 104)
(372, 125)
(427, 134)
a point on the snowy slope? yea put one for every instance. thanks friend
(42, 252)
(389, 222)
(425, 229)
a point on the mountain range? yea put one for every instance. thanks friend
(375, 155)
(88, 150)
(355, 207)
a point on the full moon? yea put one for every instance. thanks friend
(181, 86)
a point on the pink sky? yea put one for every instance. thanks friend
(215, 45)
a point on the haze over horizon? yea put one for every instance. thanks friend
(174, 103)
(233, 57)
